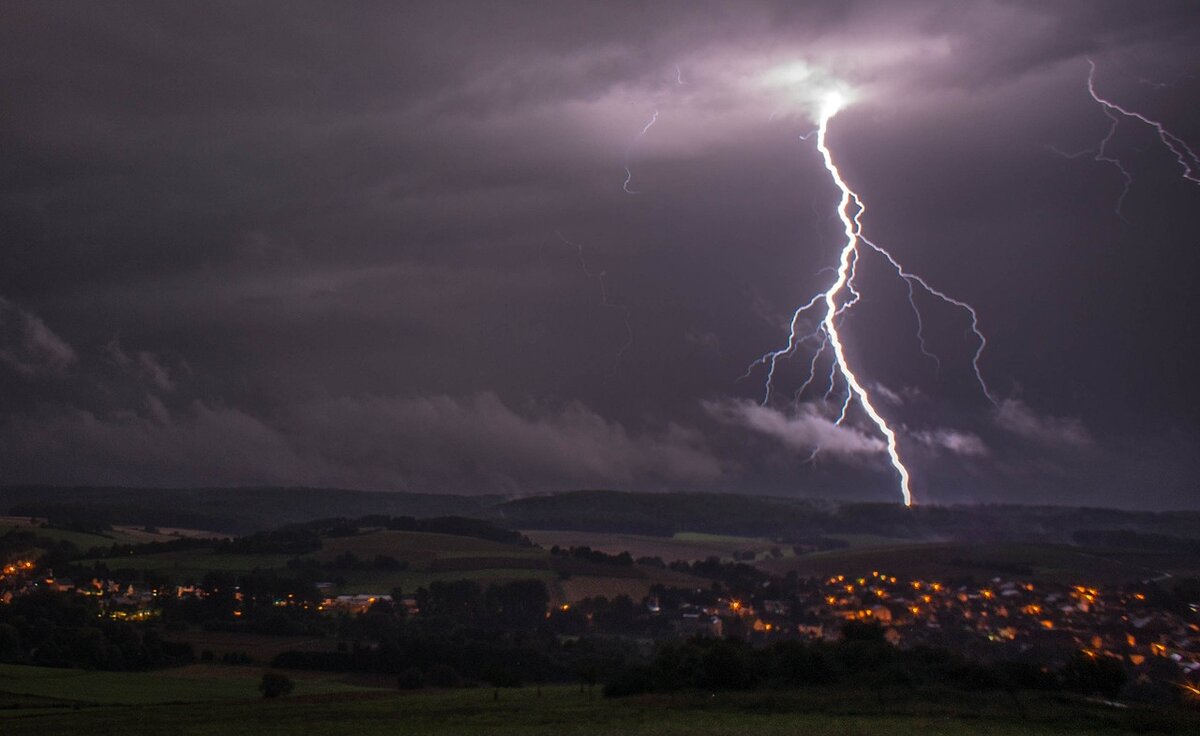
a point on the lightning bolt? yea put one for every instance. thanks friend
(817, 320)
(1185, 156)
(827, 307)
(910, 279)
(628, 173)
(645, 129)
(852, 227)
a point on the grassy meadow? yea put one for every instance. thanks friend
(427, 557)
(198, 702)
(23, 687)
(82, 540)
(682, 546)
(1047, 562)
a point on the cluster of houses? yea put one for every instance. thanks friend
(13, 578)
(362, 602)
(1002, 619)
(119, 601)
(134, 602)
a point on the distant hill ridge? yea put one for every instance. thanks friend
(798, 518)
(237, 510)
(246, 509)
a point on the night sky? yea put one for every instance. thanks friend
(388, 246)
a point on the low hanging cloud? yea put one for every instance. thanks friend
(807, 429)
(194, 445)
(965, 444)
(28, 346)
(145, 365)
(482, 441)
(469, 443)
(438, 443)
(1017, 417)
(891, 396)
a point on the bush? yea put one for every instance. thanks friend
(275, 684)
(726, 665)
(630, 681)
(443, 675)
(499, 676)
(410, 679)
(1093, 675)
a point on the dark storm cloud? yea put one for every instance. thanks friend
(310, 244)
(430, 443)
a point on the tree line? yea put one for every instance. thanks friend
(861, 658)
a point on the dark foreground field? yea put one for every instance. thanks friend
(93, 703)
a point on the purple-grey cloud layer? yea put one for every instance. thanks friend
(344, 237)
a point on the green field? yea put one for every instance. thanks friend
(687, 546)
(408, 582)
(261, 648)
(87, 540)
(82, 540)
(426, 557)
(430, 557)
(417, 549)
(48, 686)
(421, 548)
(90, 703)
(859, 541)
(1047, 562)
(193, 564)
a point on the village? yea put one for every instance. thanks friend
(1002, 619)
